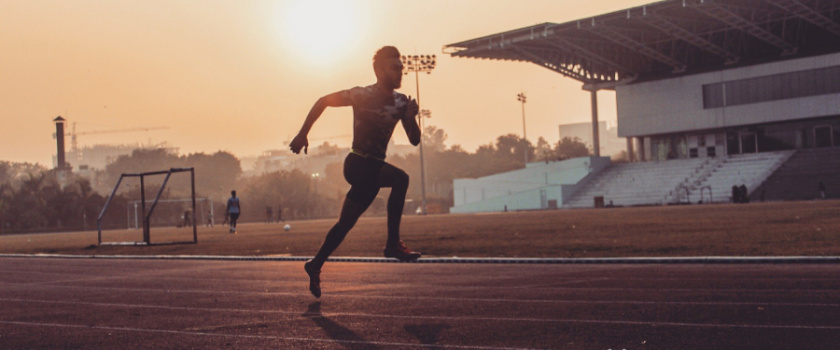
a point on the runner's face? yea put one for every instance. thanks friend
(391, 73)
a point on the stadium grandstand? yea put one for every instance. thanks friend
(710, 94)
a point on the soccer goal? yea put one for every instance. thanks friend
(145, 214)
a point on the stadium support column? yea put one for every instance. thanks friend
(596, 143)
(641, 141)
(631, 155)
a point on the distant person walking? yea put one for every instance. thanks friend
(269, 214)
(232, 210)
(745, 195)
(280, 213)
(377, 109)
(187, 221)
(736, 194)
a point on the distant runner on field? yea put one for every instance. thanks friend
(376, 110)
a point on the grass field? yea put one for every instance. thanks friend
(809, 228)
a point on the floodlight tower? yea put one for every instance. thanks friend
(417, 64)
(521, 98)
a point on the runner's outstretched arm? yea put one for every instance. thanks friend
(300, 141)
(409, 123)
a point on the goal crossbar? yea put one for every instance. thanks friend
(147, 216)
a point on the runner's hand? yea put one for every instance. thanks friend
(300, 142)
(412, 108)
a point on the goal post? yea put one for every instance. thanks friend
(147, 215)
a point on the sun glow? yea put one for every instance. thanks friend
(321, 32)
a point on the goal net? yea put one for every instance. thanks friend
(153, 210)
(173, 212)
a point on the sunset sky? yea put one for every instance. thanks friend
(240, 76)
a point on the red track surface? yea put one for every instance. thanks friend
(125, 304)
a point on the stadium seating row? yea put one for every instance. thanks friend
(678, 181)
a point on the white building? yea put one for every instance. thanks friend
(784, 105)
(541, 185)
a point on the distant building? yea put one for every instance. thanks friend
(97, 157)
(87, 162)
(315, 162)
(401, 150)
(268, 162)
(610, 143)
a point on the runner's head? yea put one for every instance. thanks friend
(388, 67)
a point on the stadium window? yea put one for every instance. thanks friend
(822, 136)
(835, 136)
(692, 153)
(733, 144)
(710, 151)
(812, 82)
(749, 143)
(831, 79)
(713, 96)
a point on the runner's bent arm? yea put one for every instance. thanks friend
(412, 130)
(300, 141)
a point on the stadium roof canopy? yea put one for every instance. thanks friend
(668, 38)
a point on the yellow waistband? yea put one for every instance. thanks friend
(366, 155)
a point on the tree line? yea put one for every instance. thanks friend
(35, 199)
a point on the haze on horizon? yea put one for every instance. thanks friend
(241, 76)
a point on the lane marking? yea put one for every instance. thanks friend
(294, 273)
(455, 299)
(263, 337)
(565, 285)
(458, 260)
(452, 318)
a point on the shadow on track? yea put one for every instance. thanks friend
(427, 333)
(342, 335)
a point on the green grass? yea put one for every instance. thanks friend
(809, 228)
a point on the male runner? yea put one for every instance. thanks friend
(376, 110)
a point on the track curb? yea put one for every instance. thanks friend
(459, 260)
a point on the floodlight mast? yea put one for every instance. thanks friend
(521, 98)
(417, 64)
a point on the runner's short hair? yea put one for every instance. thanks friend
(386, 52)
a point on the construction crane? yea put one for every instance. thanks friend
(73, 134)
(335, 137)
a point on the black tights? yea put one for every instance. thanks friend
(366, 176)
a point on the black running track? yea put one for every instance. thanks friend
(211, 304)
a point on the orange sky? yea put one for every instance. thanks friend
(240, 76)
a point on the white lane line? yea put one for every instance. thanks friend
(740, 291)
(564, 283)
(421, 317)
(157, 275)
(454, 299)
(703, 260)
(262, 337)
